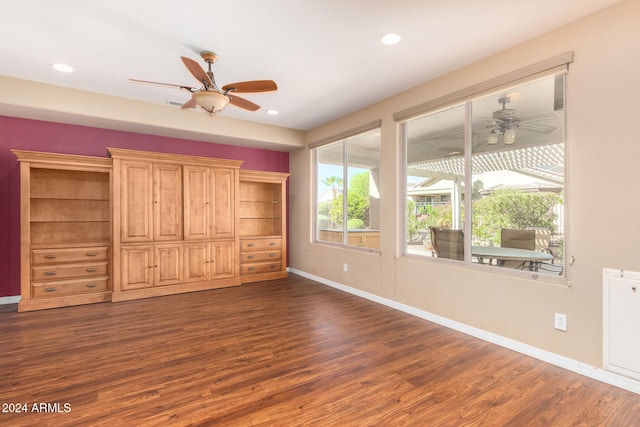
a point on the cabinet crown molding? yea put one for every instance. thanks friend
(121, 153)
(60, 159)
(262, 176)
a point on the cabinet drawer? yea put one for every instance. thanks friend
(262, 256)
(65, 271)
(260, 244)
(69, 255)
(69, 287)
(258, 268)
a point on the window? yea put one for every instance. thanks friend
(485, 179)
(347, 196)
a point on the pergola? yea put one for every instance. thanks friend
(539, 162)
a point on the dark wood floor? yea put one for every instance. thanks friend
(284, 353)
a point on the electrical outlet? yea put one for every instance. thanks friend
(345, 267)
(560, 321)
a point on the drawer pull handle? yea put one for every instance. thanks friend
(250, 245)
(250, 257)
(50, 256)
(92, 254)
(272, 255)
(91, 285)
(250, 268)
(273, 266)
(50, 273)
(272, 243)
(49, 289)
(92, 270)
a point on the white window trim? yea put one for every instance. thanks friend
(543, 69)
(340, 137)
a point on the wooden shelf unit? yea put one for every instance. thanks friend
(262, 225)
(65, 229)
(142, 224)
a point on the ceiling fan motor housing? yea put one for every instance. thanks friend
(506, 114)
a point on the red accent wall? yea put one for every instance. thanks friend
(35, 135)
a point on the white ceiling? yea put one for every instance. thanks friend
(325, 55)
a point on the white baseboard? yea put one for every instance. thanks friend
(594, 372)
(10, 300)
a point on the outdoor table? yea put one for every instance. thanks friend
(502, 254)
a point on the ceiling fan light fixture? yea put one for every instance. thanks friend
(211, 102)
(509, 136)
(492, 139)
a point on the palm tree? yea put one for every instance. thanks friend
(333, 182)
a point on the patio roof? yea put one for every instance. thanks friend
(537, 161)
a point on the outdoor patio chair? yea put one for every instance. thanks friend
(447, 243)
(519, 239)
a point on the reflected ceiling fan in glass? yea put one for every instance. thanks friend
(504, 124)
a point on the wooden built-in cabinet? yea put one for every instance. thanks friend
(262, 225)
(209, 260)
(183, 208)
(142, 224)
(65, 244)
(209, 195)
(151, 202)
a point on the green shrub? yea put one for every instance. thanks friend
(513, 209)
(355, 224)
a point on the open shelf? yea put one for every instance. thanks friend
(261, 209)
(69, 184)
(70, 233)
(69, 207)
(56, 210)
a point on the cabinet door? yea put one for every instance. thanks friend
(167, 264)
(222, 209)
(197, 262)
(167, 202)
(137, 267)
(223, 265)
(196, 202)
(136, 202)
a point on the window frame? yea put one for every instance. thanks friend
(453, 101)
(343, 138)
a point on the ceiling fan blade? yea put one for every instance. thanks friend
(169, 85)
(251, 86)
(242, 103)
(197, 72)
(536, 127)
(547, 115)
(190, 104)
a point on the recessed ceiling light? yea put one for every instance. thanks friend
(390, 39)
(62, 67)
(272, 112)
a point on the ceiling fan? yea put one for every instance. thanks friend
(505, 122)
(209, 96)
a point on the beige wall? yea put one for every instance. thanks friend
(28, 99)
(603, 230)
